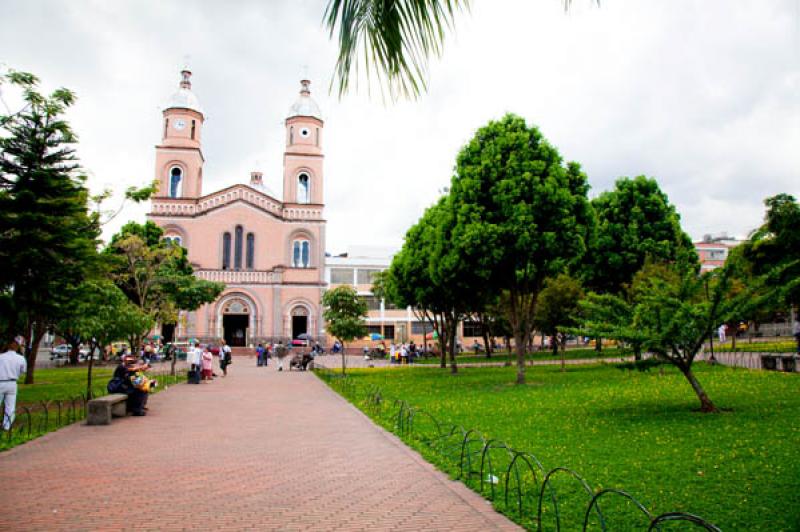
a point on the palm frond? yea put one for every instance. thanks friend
(390, 39)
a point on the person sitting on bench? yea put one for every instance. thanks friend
(129, 379)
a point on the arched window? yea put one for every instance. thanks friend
(251, 249)
(301, 254)
(175, 177)
(237, 248)
(226, 251)
(303, 188)
(173, 240)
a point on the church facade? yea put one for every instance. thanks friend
(270, 253)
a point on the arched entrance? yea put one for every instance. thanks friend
(236, 321)
(299, 321)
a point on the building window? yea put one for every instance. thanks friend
(301, 254)
(193, 125)
(421, 327)
(176, 175)
(342, 276)
(473, 328)
(173, 240)
(291, 135)
(166, 127)
(388, 332)
(317, 138)
(226, 251)
(251, 248)
(303, 187)
(237, 247)
(365, 276)
(373, 303)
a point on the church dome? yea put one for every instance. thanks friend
(184, 98)
(305, 105)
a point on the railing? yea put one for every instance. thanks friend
(240, 276)
(515, 480)
(37, 419)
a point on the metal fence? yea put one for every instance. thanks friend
(515, 480)
(36, 419)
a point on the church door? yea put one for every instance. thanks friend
(235, 322)
(299, 325)
(235, 327)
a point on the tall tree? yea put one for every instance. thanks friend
(635, 221)
(774, 248)
(522, 216)
(345, 316)
(156, 275)
(48, 237)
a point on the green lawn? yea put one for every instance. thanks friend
(743, 346)
(636, 431)
(570, 354)
(62, 383)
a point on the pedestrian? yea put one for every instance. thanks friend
(194, 356)
(207, 358)
(225, 359)
(260, 355)
(721, 333)
(12, 366)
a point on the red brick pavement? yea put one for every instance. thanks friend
(258, 450)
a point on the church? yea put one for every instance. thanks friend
(270, 253)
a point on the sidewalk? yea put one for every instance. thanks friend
(257, 450)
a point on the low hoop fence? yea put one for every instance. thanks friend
(514, 480)
(32, 420)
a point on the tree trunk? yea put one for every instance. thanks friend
(554, 344)
(564, 354)
(705, 403)
(174, 355)
(733, 339)
(442, 332)
(637, 352)
(452, 341)
(486, 345)
(519, 347)
(30, 354)
(344, 363)
(89, 374)
(598, 344)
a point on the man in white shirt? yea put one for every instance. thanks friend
(12, 366)
(195, 355)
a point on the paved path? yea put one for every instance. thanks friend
(258, 450)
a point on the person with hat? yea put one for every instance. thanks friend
(12, 366)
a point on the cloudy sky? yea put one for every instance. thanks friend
(703, 95)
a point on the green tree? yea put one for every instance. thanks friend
(48, 237)
(522, 216)
(774, 248)
(155, 275)
(676, 313)
(635, 221)
(558, 309)
(345, 316)
(102, 315)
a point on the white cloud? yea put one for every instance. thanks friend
(702, 95)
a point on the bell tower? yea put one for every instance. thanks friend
(179, 158)
(302, 160)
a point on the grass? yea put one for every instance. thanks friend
(636, 431)
(743, 346)
(56, 399)
(570, 354)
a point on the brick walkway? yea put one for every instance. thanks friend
(258, 450)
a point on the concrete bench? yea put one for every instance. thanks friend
(101, 410)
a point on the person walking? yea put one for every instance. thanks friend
(12, 366)
(194, 357)
(224, 358)
(260, 351)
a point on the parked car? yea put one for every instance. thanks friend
(60, 351)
